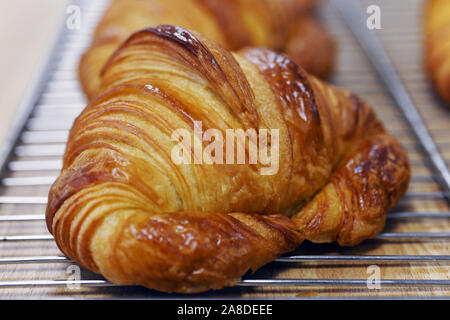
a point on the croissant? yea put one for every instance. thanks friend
(124, 208)
(283, 25)
(437, 38)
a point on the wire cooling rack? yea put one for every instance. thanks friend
(411, 257)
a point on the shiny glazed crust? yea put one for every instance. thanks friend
(283, 25)
(121, 207)
(437, 38)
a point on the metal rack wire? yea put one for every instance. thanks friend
(418, 228)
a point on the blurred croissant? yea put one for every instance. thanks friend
(283, 25)
(123, 208)
(437, 37)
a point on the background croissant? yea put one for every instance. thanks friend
(122, 208)
(437, 37)
(284, 25)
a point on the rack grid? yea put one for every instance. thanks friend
(411, 255)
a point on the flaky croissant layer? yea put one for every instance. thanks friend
(121, 207)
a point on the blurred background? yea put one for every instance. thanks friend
(27, 31)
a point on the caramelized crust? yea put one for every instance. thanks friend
(437, 43)
(283, 25)
(121, 207)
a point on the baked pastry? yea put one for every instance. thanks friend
(437, 38)
(283, 25)
(124, 208)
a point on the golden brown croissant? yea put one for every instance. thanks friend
(123, 208)
(284, 25)
(437, 37)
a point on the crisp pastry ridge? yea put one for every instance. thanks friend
(122, 208)
(283, 25)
